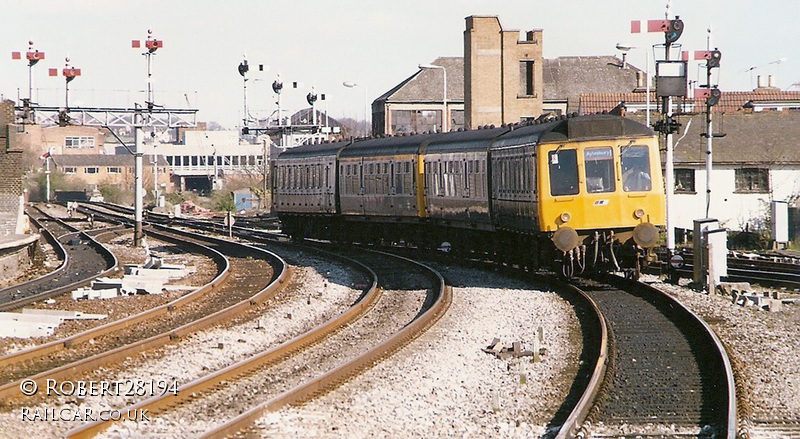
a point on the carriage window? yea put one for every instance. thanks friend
(563, 167)
(635, 162)
(599, 170)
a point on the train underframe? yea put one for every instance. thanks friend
(598, 251)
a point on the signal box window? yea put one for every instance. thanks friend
(684, 181)
(635, 161)
(563, 167)
(599, 170)
(752, 180)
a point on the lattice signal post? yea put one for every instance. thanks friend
(33, 56)
(670, 82)
(69, 73)
(712, 94)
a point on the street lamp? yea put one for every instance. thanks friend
(625, 48)
(444, 88)
(349, 84)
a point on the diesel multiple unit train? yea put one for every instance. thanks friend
(580, 192)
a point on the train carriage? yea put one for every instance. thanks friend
(304, 188)
(378, 178)
(587, 190)
(455, 178)
(600, 186)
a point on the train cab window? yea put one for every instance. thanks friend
(635, 162)
(599, 164)
(563, 168)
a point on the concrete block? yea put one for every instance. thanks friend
(138, 284)
(730, 287)
(29, 318)
(540, 334)
(64, 315)
(25, 329)
(775, 305)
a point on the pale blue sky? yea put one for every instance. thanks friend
(323, 43)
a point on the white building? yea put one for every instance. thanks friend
(757, 162)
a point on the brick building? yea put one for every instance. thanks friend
(497, 81)
(17, 244)
(116, 170)
(11, 195)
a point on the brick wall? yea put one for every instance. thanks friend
(10, 172)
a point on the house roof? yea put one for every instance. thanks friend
(730, 101)
(766, 138)
(568, 77)
(563, 79)
(122, 160)
(426, 84)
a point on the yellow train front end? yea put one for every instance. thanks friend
(602, 199)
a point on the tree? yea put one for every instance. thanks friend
(222, 201)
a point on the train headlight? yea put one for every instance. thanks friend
(565, 217)
(638, 213)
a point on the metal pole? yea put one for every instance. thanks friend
(155, 174)
(137, 190)
(669, 180)
(47, 175)
(647, 86)
(709, 137)
(30, 82)
(265, 163)
(366, 105)
(709, 131)
(445, 118)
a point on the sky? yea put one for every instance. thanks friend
(373, 43)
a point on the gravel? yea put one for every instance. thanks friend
(122, 306)
(762, 349)
(200, 354)
(443, 384)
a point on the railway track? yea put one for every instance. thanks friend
(667, 373)
(83, 259)
(663, 376)
(773, 271)
(229, 294)
(341, 347)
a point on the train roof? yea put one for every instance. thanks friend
(314, 150)
(470, 140)
(382, 146)
(596, 126)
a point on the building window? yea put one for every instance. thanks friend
(416, 121)
(526, 74)
(91, 170)
(684, 181)
(752, 180)
(84, 142)
(69, 170)
(113, 170)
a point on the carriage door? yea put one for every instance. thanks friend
(327, 188)
(466, 172)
